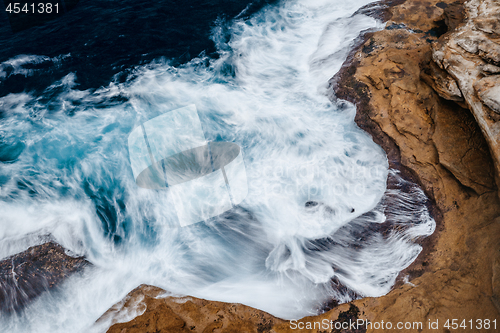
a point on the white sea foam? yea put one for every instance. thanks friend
(317, 210)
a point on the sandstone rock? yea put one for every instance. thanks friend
(159, 314)
(495, 279)
(488, 90)
(476, 42)
(489, 51)
(488, 25)
(379, 9)
(489, 69)
(429, 139)
(26, 275)
(470, 42)
(488, 17)
(453, 14)
(441, 82)
(462, 148)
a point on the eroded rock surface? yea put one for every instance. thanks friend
(435, 141)
(470, 55)
(26, 275)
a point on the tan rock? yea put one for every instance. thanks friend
(488, 17)
(159, 314)
(455, 128)
(456, 274)
(442, 82)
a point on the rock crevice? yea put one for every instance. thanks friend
(468, 58)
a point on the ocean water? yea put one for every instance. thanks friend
(324, 218)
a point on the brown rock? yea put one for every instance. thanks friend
(456, 129)
(26, 275)
(190, 314)
(453, 14)
(489, 69)
(495, 279)
(441, 82)
(418, 14)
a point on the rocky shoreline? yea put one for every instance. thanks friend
(28, 274)
(433, 141)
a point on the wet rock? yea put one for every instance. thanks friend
(489, 69)
(379, 9)
(154, 313)
(26, 275)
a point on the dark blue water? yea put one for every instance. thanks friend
(99, 39)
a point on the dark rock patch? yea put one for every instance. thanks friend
(28, 274)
